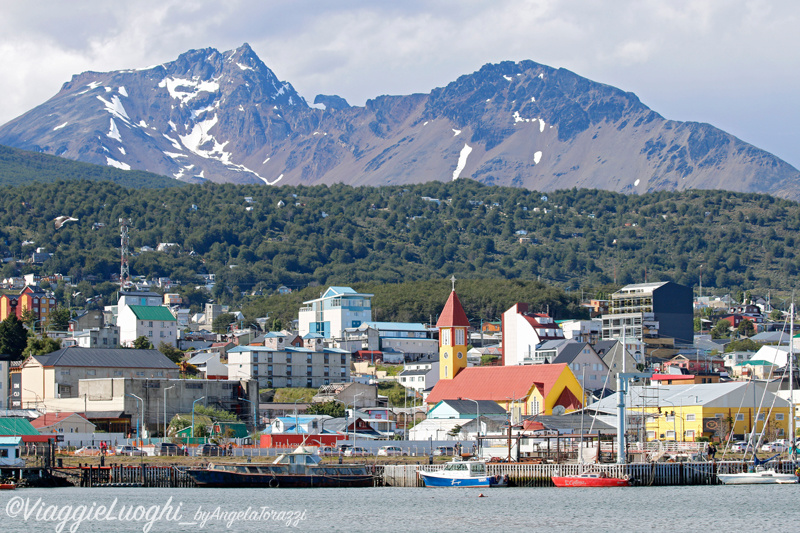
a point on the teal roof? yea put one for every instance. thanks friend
(756, 362)
(16, 426)
(152, 312)
(10, 441)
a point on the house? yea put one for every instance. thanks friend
(589, 331)
(86, 320)
(31, 298)
(533, 388)
(62, 422)
(712, 410)
(754, 369)
(696, 363)
(209, 365)
(413, 340)
(612, 353)
(102, 337)
(684, 378)
(419, 376)
(9, 451)
(586, 364)
(523, 331)
(336, 309)
(348, 394)
(156, 323)
(468, 409)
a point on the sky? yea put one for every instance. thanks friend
(731, 63)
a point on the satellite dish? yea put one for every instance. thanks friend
(559, 410)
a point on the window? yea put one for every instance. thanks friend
(255, 358)
(690, 417)
(671, 434)
(689, 433)
(269, 370)
(341, 371)
(719, 415)
(760, 417)
(308, 358)
(309, 384)
(91, 372)
(739, 417)
(651, 435)
(671, 418)
(459, 337)
(65, 371)
(150, 333)
(308, 370)
(288, 358)
(778, 416)
(117, 373)
(150, 324)
(288, 382)
(140, 374)
(446, 338)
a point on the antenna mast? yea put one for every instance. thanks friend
(124, 272)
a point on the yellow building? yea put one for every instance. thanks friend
(686, 412)
(453, 325)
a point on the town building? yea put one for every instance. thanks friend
(523, 332)
(156, 323)
(62, 422)
(31, 298)
(337, 309)
(645, 312)
(453, 326)
(288, 366)
(102, 337)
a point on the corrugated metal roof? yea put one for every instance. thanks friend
(152, 312)
(497, 383)
(16, 426)
(105, 358)
(10, 441)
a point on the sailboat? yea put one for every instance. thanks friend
(761, 474)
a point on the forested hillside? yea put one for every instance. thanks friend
(255, 238)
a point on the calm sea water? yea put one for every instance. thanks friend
(699, 508)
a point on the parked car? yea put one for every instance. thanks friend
(391, 451)
(741, 447)
(327, 451)
(444, 450)
(88, 450)
(126, 449)
(168, 448)
(356, 451)
(210, 450)
(774, 447)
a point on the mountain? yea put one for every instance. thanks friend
(226, 117)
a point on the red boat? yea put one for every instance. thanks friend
(8, 486)
(590, 479)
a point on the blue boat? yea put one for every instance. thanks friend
(462, 473)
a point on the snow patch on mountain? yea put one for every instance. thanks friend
(117, 164)
(60, 126)
(122, 91)
(276, 180)
(115, 107)
(537, 157)
(113, 132)
(462, 161)
(185, 89)
(518, 118)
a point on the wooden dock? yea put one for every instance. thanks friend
(641, 474)
(133, 476)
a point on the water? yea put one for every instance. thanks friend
(693, 508)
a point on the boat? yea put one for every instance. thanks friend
(590, 479)
(8, 486)
(462, 472)
(301, 468)
(759, 475)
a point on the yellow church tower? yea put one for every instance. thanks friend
(453, 326)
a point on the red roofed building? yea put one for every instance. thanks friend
(523, 331)
(63, 422)
(453, 339)
(540, 387)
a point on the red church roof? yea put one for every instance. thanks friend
(497, 383)
(452, 315)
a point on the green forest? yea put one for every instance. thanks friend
(255, 239)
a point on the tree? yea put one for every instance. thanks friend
(28, 318)
(174, 354)
(13, 337)
(41, 346)
(142, 343)
(746, 328)
(743, 345)
(331, 408)
(776, 315)
(58, 320)
(221, 323)
(721, 329)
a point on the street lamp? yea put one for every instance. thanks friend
(139, 422)
(354, 417)
(674, 431)
(36, 397)
(477, 421)
(194, 402)
(165, 409)
(255, 416)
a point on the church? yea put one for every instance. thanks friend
(533, 389)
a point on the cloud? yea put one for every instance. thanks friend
(677, 56)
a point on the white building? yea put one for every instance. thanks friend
(523, 331)
(289, 366)
(154, 322)
(337, 309)
(106, 337)
(589, 331)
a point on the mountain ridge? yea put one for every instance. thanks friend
(226, 117)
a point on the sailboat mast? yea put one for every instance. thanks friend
(792, 446)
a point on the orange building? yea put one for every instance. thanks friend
(40, 302)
